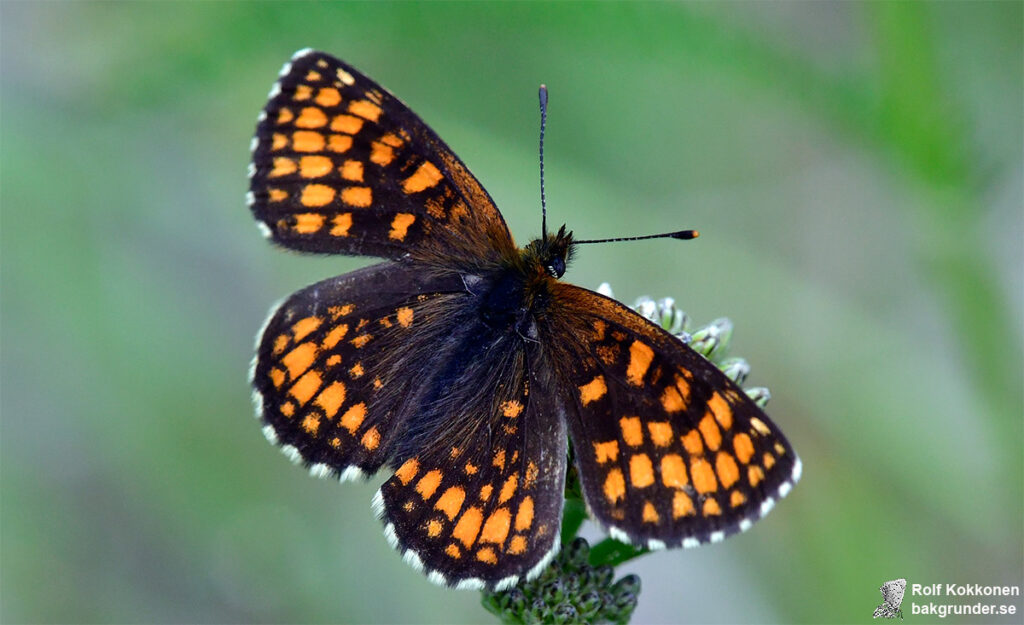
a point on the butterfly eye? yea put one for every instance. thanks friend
(556, 268)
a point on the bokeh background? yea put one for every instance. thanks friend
(855, 170)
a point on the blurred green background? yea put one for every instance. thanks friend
(855, 170)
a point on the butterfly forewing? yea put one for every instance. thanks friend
(670, 451)
(341, 166)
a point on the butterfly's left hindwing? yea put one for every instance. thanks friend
(670, 451)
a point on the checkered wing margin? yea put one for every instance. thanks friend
(670, 451)
(480, 503)
(330, 375)
(341, 166)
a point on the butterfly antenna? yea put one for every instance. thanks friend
(543, 94)
(680, 234)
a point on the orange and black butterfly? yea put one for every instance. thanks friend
(464, 365)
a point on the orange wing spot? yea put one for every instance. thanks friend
(511, 409)
(277, 377)
(365, 109)
(392, 140)
(353, 418)
(278, 142)
(614, 486)
(672, 401)
(299, 359)
(377, 383)
(524, 515)
(288, 409)
(282, 167)
(331, 399)
(334, 359)
(357, 196)
(316, 195)
(470, 468)
(711, 508)
(517, 545)
(435, 208)
(487, 556)
(605, 452)
(737, 499)
(340, 224)
(280, 343)
(779, 449)
(531, 472)
(371, 439)
(313, 76)
(426, 175)
(768, 460)
(381, 154)
(673, 471)
(429, 483)
(509, 488)
(408, 506)
(311, 424)
(434, 528)
(721, 410)
(405, 316)
(352, 170)
(640, 356)
(277, 195)
(682, 505)
(759, 425)
(725, 467)
(336, 334)
(453, 551)
(341, 311)
(754, 475)
(356, 371)
(335, 442)
(308, 223)
(450, 502)
(345, 77)
(347, 124)
(339, 143)
(692, 443)
(311, 117)
(362, 324)
(743, 446)
(683, 386)
(308, 141)
(632, 433)
(608, 353)
(661, 432)
(284, 116)
(400, 225)
(593, 390)
(306, 386)
(709, 430)
(650, 515)
(599, 328)
(641, 472)
(459, 212)
(499, 459)
(328, 96)
(361, 340)
(485, 492)
(407, 471)
(315, 166)
(703, 476)
(305, 326)
(497, 526)
(303, 92)
(468, 526)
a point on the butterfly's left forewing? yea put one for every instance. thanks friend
(341, 166)
(670, 451)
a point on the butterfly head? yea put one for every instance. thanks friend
(551, 253)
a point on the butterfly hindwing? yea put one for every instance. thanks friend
(341, 166)
(323, 375)
(483, 508)
(670, 451)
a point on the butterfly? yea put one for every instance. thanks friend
(464, 366)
